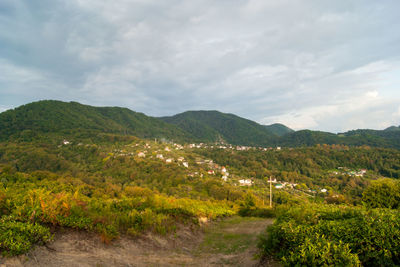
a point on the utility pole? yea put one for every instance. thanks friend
(270, 192)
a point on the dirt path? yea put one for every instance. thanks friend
(231, 242)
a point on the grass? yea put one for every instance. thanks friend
(233, 235)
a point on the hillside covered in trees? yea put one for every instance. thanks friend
(50, 117)
(72, 119)
(214, 126)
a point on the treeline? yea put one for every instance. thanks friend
(321, 166)
(312, 162)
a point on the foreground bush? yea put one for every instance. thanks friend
(318, 235)
(32, 203)
(18, 237)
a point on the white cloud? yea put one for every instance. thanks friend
(397, 113)
(356, 113)
(3, 108)
(372, 94)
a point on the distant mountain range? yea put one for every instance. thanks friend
(75, 119)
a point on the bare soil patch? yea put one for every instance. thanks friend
(230, 242)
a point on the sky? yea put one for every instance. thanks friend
(309, 64)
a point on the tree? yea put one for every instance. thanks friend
(382, 193)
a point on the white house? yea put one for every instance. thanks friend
(181, 159)
(324, 190)
(279, 186)
(141, 155)
(159, 156)
(167, 149)
(186, 164)
(66, 142)
(224, 177)
(169, 160)
(178, 146)
(245, 182)
(223, 170)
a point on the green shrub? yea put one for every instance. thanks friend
(318, 251)
(382, 193)
(109, 211)
(316, 235)
(18, 237)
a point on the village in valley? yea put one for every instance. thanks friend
(199, 167)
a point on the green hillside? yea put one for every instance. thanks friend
(308, 138)
(375, 138)
(392, 129)
(278, 129)
(40, 120)
(56, 117)
(214, 126)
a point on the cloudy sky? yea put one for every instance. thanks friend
(316, 64)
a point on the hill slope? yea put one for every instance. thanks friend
(278, 129)
(214, 126)
(375, 138)
(392, 129)
(51, 116)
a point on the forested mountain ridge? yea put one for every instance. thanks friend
(57, 118)
(392, 128)
(214, 126)
(375, 138)
(278, 129)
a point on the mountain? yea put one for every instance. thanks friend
(214, 126)
(63, 119)
(375, 138)
(392, 129)
(308, 138)
(49, 116)
(278, 129)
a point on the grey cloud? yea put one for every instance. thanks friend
(264, 60)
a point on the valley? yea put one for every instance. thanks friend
(102, 187)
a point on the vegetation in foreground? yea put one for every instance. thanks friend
(107, 188)
(233, 235)
(326, 235)
(32, 204)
